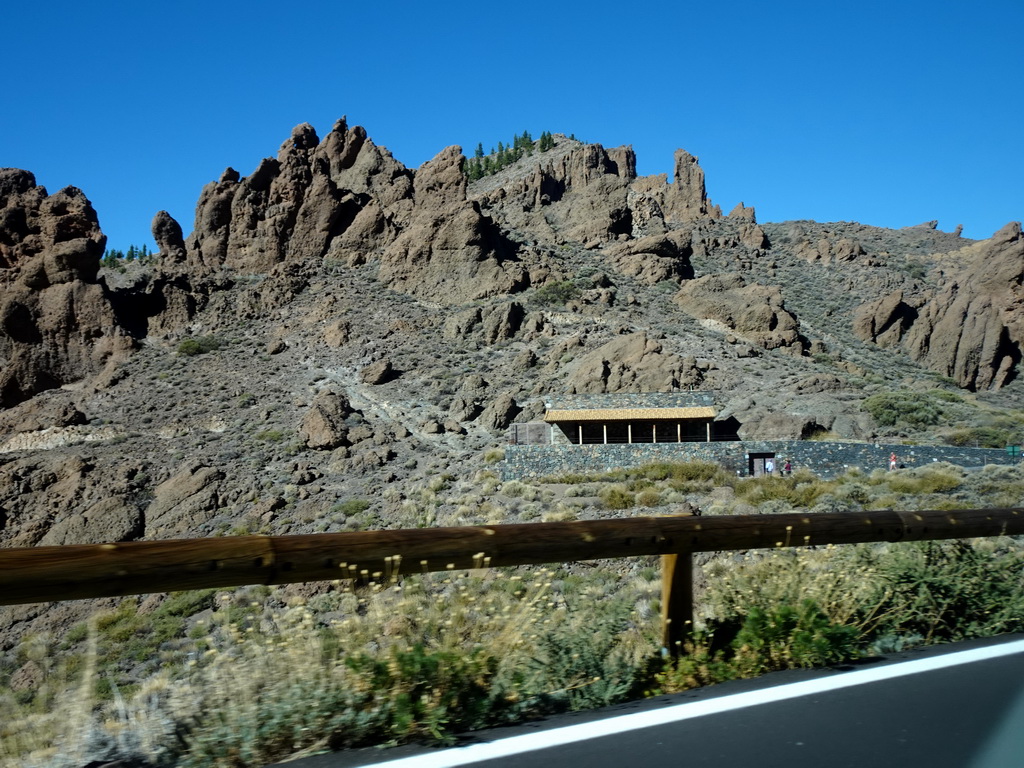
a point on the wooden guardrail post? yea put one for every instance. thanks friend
(676, 601)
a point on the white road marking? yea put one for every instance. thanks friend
(555, 737)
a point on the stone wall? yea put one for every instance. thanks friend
(626, 400)
(825, 459)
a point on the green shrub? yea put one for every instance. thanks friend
(981, 437)
(350, 507)
(927, 480)
(198, 346)
(493, 455)
(785, 637)
(648, 498)
(616, 497)
(904, 409)
(557, 293)
(951, 590)
(797, 490)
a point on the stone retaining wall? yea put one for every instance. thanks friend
(825, 459)
(693, 399)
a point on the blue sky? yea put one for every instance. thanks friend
(885, 113)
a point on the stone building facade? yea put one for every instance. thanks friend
(555, 447)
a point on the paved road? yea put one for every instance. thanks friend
(959, 706)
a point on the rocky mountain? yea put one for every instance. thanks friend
(339, 327)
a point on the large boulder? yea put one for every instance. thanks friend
(185, 501)
(632, 363)
(756, 313)
(884, 321)
(653, 258)
(323, 426)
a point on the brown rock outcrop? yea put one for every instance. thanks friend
(884, 321)
(299, 204)
(500, 412)
(185, 501)
(632, 363)
(497, 323)
(323, 426)
(380, 372)
(449, 251)
(575, 193)
(343, 198)
(57, 325)
(973, 330)
(754, 312)
(109, 520)
(169, 239)
(654, 258)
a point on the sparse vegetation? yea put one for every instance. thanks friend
(556, 293)
(254, 675)
(250, 683)
(523, 145)
(199, 346)
(350, 507)
(904, 409)
(270, 435)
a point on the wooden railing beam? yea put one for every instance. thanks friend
(40, 574)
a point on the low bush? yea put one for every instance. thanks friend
(350, 507)
(788, 637)
(198, 346)
(904, 409)
(980, 437)
(950, 590)
(557, 293)
(493, 455)
(616, 497)
(648, 498)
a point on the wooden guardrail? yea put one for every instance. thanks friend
(40, 574)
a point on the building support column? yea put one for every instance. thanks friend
(629, 433)
(679, 432)
(654, 432)
(605, 428)
(580, 428)
(709, 431)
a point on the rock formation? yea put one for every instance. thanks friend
(374, 330)
(751, 311)
(653, 258)
(973, 330)
(632, 363)
(586, 194)
(448, 250)
(884, 321)
(57, 325)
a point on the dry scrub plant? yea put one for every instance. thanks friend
(254, 677)
(422, 657)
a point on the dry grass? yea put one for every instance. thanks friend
(416, 659)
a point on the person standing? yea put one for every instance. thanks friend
(893, 461)
(787, 468)
(769, 466)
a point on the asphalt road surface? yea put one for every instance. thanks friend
(960, 706)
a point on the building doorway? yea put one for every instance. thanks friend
(758, 464)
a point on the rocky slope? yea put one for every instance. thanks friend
(368, 328)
